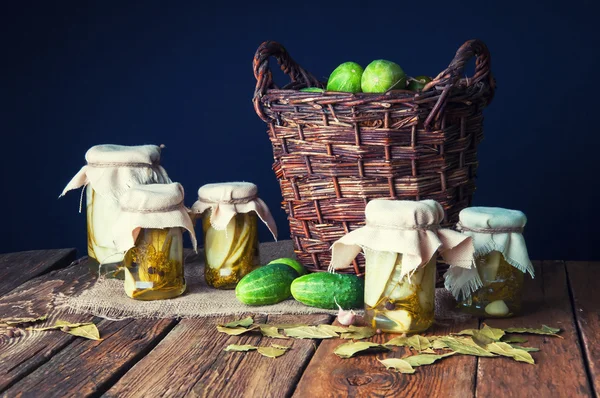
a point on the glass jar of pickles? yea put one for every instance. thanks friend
(149, 232)
(494, 288)
(109, 172)
(401, 241)
(230, 213)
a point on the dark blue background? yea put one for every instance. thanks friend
(180, 74)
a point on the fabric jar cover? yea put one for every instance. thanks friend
(492, 229)
(407, 227)
(112, 169)
(227, 199)
(151, 206)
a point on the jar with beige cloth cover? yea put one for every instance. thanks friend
(110, 171)
(495, 287)
(401, 241)
(229, 214)
(148, 233)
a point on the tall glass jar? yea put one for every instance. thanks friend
(149, 231)
(109, 172)
(230, 213)
(401, 241)
(153, 269)
(395, 303)
(495, 286)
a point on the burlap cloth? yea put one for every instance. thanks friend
(107, 298)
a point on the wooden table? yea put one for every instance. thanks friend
(159, 358)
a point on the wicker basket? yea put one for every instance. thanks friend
(334, 152)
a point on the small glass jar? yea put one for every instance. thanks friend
(230, 213)
(403, 304)
(154, 267)
(231, 253)
(109, 172)
(493, 287)
(500, 295)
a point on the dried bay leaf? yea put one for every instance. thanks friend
(286, 325)
(348, 350)
(491, 333)
(240, 348)
(425, 359)
(528, 349)
(397, 364)
(333, 328)
(358, 332)
(418, 342)
(235, 331)
(20, 321)
(544, 330)
(513, 339)
(271, 331)
(428, 351)
(438, 344)
(88, 331)
(506, 350)
(309, 332)
(400, 341)
(481, 339)
(465, 332)
(59, 325)
(271, 352)
(466, 346)
(241, 322)
(282, 347)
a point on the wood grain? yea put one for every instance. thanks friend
(87, 367)
(18, 268)
(20, 356)
(327, 375)
(583, 281)
(559, 370)
(190, 361)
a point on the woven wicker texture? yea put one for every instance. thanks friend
(333, 152)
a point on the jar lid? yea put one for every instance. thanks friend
(228, 192)
(486, 219)
(141, 155)
(151, 206)
(425, 214)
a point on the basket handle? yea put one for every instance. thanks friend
(264, 77)
(452, 75)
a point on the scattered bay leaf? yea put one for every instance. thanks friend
(466, 346)
(20, 321)
(465, 332)
(241, 322)
(88, 331)
(481, 339)
(428, 351)
(492, 333)
(235, 331)
(59, 325)
(348, 350)
(544, 330)
(425, 359)
(418, 342)
(271, 331)
(271, 352)
(286, 325)
(528, 349)
(309, 332)
(240, 348)
(506, 350)
(438, 344)
(282, 347)
(513, 339)
(400, 341)
(333, 328)
(358, 332)
(397, 364)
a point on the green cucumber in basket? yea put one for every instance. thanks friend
(324, 290)
(266, 285)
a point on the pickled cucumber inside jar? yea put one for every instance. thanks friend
(396, 303)
(500, 295)
(230, 253)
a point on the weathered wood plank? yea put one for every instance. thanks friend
(583, 281)
(191, 361)
(21, 355)
(18, 268)
(327, 375)
(87, 367)
(559, 370)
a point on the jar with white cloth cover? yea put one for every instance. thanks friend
(110, 171)
(401, 241)
(229, 221)
(148, 232)
(494, 288)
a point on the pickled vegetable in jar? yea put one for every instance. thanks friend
(109, 172)
(401, 241)
(149, 231)
(230, 213)
(495, 287)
